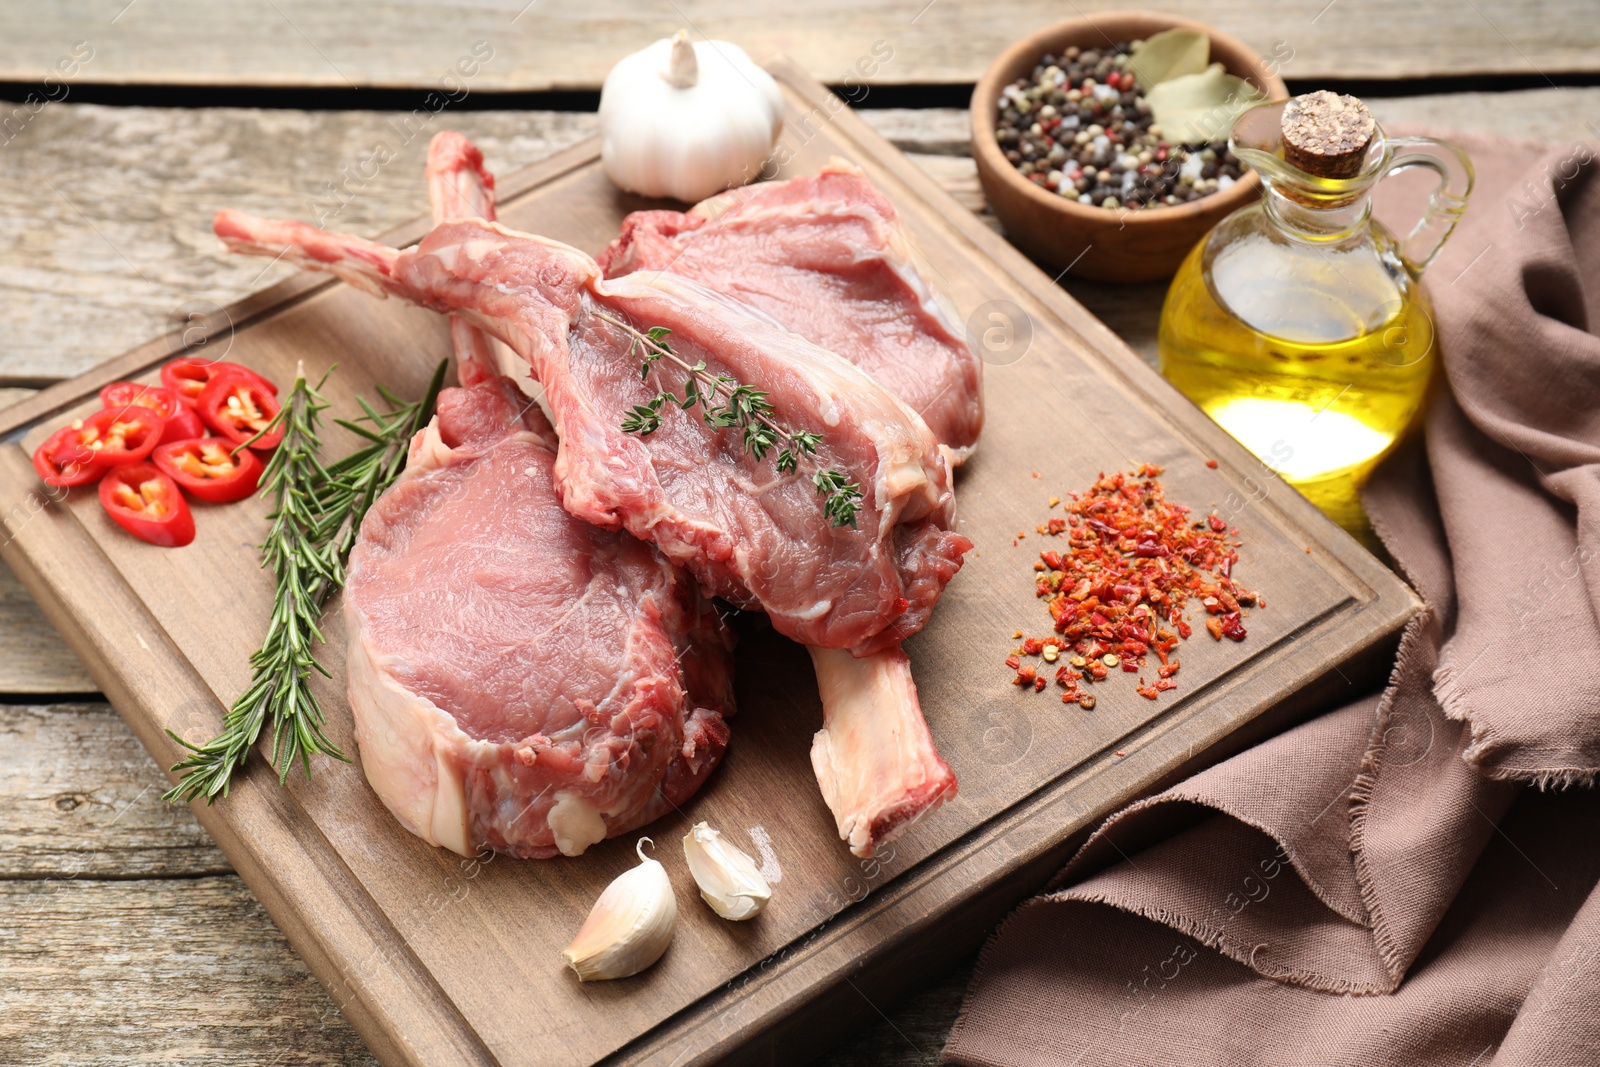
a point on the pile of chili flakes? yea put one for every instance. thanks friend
(1118, 586)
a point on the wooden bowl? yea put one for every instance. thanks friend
(1122, 246)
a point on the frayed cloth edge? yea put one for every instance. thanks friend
(1485, 747)
(1174, 795)
(1361, 796)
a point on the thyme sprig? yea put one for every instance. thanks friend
(317, 512)
(726, 403)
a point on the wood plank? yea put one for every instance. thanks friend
(351, 876)
(375, 965)
(79, 803)
(193, 970)
(565, 44)
(113, 240)
(121, 248)
(146, 181)
(171, 971)
(924, 1020)
(33, 658)
(81, 799)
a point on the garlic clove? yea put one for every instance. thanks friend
(629, 927)
(728, 878)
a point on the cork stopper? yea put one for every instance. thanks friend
(1326, 134)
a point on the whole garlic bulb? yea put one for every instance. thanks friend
(727, 877)
(687, 120)
(629, 927)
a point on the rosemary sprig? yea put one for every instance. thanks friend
(317, 513)
(727, 403)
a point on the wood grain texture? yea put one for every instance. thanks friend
(121, 248)
(87, 930)
(82, 800)
(108, 210)
(33, 659)
(193, 972)
(451, 936)
(563, 44)
(187, 971)
(81, 820)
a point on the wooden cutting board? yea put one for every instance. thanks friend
(442, 960)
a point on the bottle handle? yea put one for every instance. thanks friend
(1446, 203)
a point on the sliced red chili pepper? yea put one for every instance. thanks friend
(148, 504)
(158, 398)
(188, 377)
(182, 422)
(209, 469)
(184, 426)
(111, 437)
(63, 473)
(238, 407)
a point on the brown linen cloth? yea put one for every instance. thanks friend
(1377, 886)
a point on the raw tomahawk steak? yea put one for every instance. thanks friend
(823, 256)
(750, 534)
(874, 757)
(521, 680)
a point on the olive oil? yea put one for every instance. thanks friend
(1299, 324)
(1317, 362)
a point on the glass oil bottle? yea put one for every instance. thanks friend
(1299, 324)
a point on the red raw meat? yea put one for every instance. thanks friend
(748, 534)
(824, 256)
(521, 680)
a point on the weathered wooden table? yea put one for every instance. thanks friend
(124, 936)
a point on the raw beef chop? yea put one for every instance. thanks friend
(824, 257)
(759, 538)
(521, 680)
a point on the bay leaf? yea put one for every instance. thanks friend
(1201, 108)
(1170, 54)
